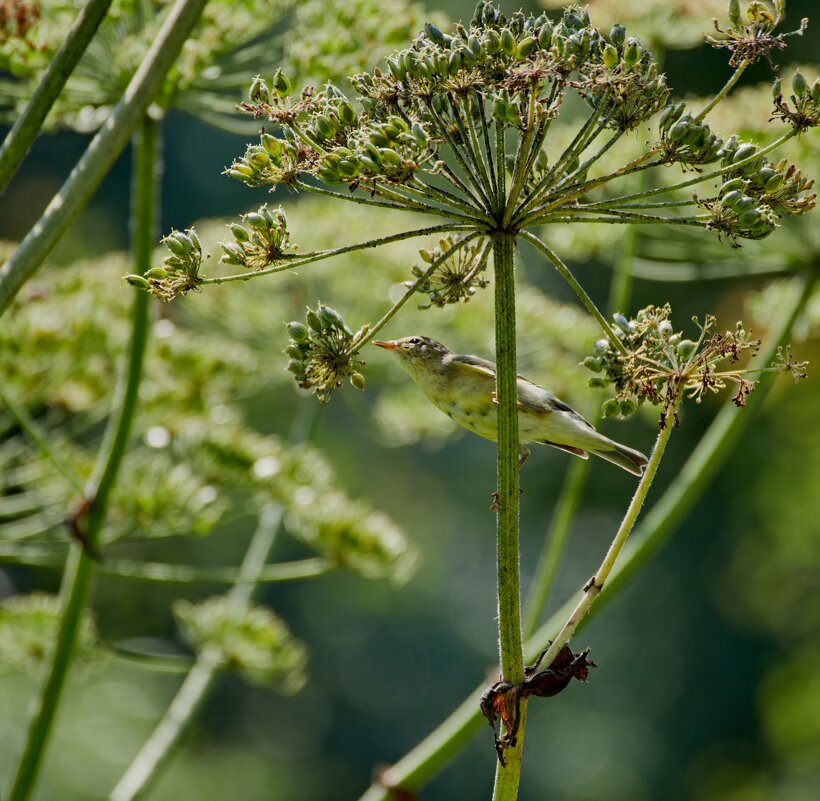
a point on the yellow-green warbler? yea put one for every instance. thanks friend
(463, 387)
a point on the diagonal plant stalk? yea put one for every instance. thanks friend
(90, 518)
(26, 127)
(155, 753)
(441, 746)
(102, 152)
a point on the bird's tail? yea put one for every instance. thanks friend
(630, 460)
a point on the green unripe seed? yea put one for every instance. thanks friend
(297, 331)
(799, 85)
(686, 347)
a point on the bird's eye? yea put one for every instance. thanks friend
(415, 341)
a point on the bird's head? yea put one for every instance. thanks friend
(416, 354)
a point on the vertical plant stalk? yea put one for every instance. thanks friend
(509, 583)
(102, 152)
(26, 127)
(82, 561)
(158, 749)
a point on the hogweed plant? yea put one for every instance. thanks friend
(457, 127)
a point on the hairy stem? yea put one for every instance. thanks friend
(509, 583)
(82, 562)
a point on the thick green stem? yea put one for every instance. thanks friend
(509, 583)
(158, 749)
(82, 562)
(28, 124)
(102, 152)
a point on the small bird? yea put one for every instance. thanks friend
(463, 387)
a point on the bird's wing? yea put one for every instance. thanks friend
(474, 364)
(530, 395)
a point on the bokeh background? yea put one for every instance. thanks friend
(708, 685)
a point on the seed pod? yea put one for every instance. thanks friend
(685, 349)
(390, 157)
(297, 332)
(313, 320)
(743, 152)
(281, 84)
(239, 233)
(493, 40)
(357, 379)
(259, 92)
(294, 351)
(627, 407)
(256, 220)
(731, 198)
(175, 245)
(670, 115)
(773, 184)
(508, 43)
(617, 34)
(435, 35)
(735, 184)
(601, 347)
(324, 128)
(233, 253)
(474, 43)
(330, 317)
(272, 145)
(526, 47)
(610, 56)
(621, 322)
(137, 281)
(776, 92)
(611, 408)
(734, 13)
(632, 51)
(591, 363)
(799, 85)
(347, 114)
(815, 93)
(596, 382)
(679, 131)
(296, 366)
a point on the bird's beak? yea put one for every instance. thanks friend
(389, 345)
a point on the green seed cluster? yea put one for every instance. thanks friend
(659, 362)
(456, 279)
(757, 192)
(262, 243)
(321, 352)
(686, 140)
(179, 272)
(750, 35)
(626, 85)
(804, 111)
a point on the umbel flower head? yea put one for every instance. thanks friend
(457, 126)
